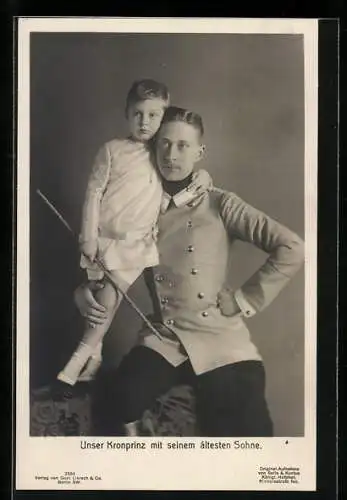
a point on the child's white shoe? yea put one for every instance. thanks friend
(92, 366)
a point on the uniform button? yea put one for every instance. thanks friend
(170, 284)
(164, 300)
(194, 271)
(189, 223)
(159, 277)
(190, 248)
(201, 295)
(205, 314)
(170, 322)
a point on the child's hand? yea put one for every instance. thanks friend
(201, 180)
(89, 248)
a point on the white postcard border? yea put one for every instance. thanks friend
(235, 469)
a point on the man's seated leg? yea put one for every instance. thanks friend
(231, 401)
(121, 396)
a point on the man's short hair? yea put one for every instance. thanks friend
(142, 90)
(175, 114)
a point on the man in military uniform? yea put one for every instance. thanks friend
(204, 339)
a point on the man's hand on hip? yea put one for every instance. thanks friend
(227, 302)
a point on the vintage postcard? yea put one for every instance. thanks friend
(166, 254)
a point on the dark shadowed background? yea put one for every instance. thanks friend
(250, 92)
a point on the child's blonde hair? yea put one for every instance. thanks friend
(146, 89)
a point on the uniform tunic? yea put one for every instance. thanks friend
(121, 206)
(195, 241)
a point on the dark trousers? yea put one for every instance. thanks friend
(230, 401)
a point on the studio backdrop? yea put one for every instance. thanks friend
(249, 90)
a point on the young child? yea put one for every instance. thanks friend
(119, 217)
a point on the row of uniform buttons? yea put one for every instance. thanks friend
(160, 277)
(194, 271)
(191, 249)
(171, 322)
(165, 300)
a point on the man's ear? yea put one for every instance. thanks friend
(201, 152)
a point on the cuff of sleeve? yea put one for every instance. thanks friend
(246, 309)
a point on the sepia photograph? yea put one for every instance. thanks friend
(170, 244)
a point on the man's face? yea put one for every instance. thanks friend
(144, 118)
(178, 148)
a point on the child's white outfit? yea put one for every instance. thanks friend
(121, 208)
(120, 211)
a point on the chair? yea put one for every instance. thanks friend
(173, 414)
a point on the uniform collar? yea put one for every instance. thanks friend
(200, 184)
